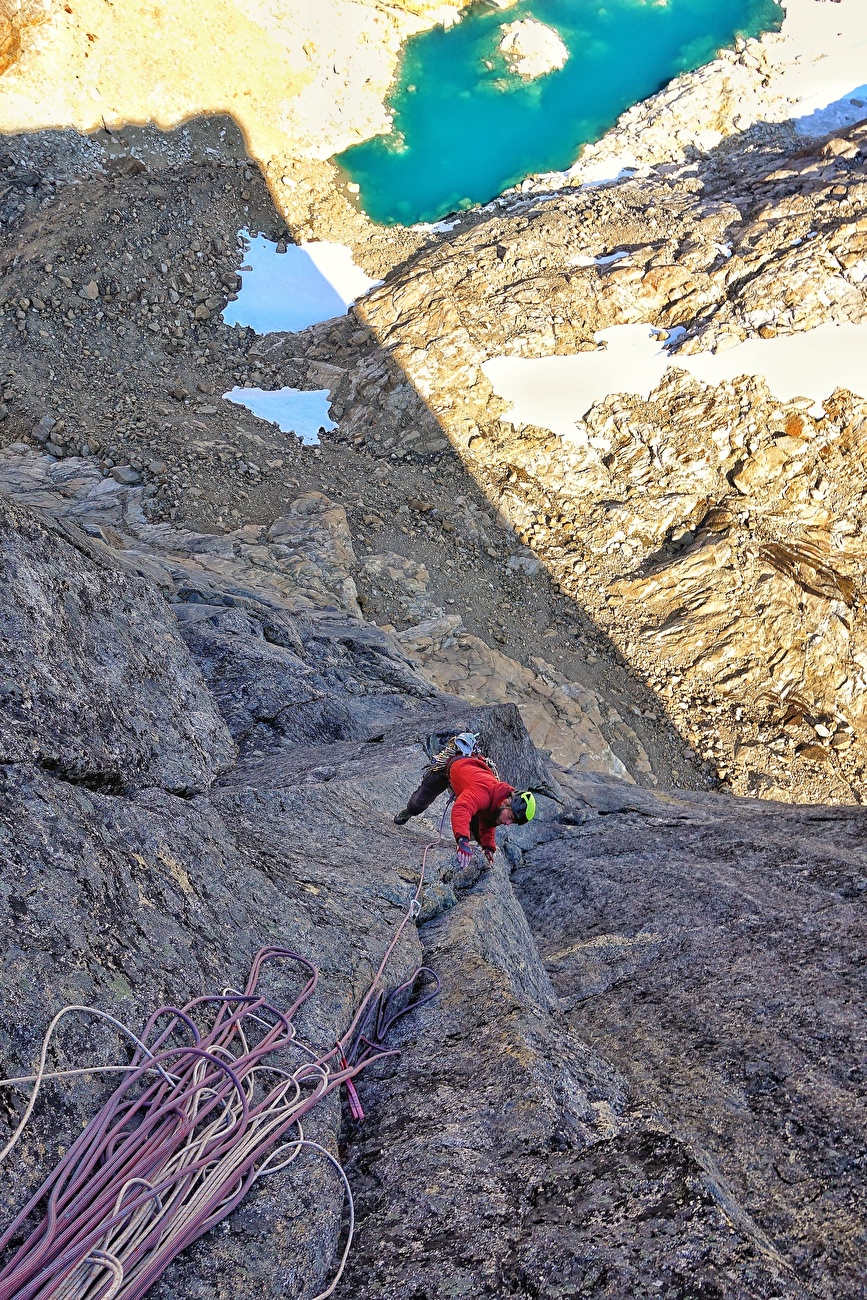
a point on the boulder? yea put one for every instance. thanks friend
(562, 717)
(532, 49)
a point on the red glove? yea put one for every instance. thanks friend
(465, 852)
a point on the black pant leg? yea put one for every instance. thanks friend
(433, 783)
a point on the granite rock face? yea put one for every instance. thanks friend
(265, 585)
(563, 717)
(97, 686)
(123, 895)
(531, 1174)
(713, 950)
(534, 1138)
(128, 896)
(499, 1143)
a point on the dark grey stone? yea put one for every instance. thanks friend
(109, 694)
(642, 1074)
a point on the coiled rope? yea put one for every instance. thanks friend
(191, 1129)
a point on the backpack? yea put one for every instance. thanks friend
(464, 745)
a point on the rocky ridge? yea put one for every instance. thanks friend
(305, 560)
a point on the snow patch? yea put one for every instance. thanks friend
(604, 259)
(307, 284)
(293, 410)
(555, 392)
(606, 170)
(829, 71)
(438, 227)
(835, 116)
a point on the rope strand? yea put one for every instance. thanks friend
(190, 1129)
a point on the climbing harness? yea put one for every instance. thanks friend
(193, 1126)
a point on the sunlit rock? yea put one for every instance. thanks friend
(531, 49)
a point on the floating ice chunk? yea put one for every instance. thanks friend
(555, 392)
(307, 284)
(293, 410)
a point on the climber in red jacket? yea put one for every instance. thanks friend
(482, 803)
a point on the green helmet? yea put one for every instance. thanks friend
(523, 806)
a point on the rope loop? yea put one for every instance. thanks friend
(191, 1127)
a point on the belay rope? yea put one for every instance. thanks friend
(191, 1129)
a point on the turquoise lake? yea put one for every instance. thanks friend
(466, 128)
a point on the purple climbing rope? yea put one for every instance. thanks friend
(189, 1131)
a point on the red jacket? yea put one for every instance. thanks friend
(478, 798)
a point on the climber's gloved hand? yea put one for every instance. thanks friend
(465, 851)
(489, 855)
